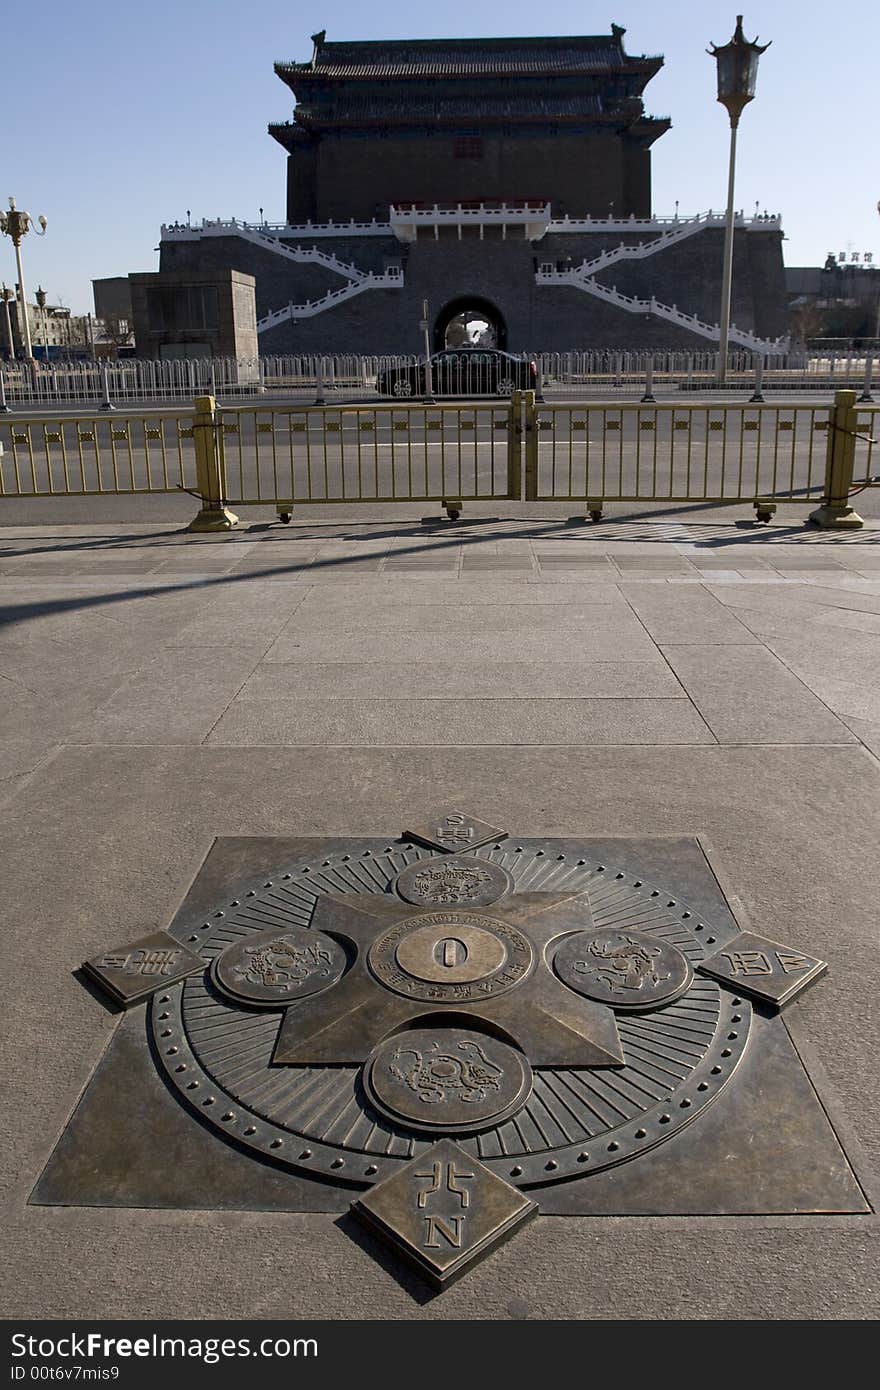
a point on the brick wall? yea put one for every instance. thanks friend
(581, 174)
(502, 271)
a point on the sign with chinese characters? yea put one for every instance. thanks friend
(443, 1211)
(132, 973)
(766, 970)
(454, 830)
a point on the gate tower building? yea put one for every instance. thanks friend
(508, 176)
(556, 120)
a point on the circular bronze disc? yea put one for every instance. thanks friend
(458, 880)
(628, 970)
(466, 953)
(275, 968)
(451, 957)
(447, 1080)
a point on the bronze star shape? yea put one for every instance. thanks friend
(408, 965)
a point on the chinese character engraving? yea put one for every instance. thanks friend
(455, 831)
(444, 1178)
(748, 962)
(142, 962)
(793, 962)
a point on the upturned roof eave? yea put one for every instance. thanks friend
(647, 128)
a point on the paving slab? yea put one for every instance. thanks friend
(623, 641)
(443, 591)
(673, 616)
(435, 680)
(156, 706)
(474, 722)
(463, 617)
(748, 696)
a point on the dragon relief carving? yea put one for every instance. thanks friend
(461, 1068)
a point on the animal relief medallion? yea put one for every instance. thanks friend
(447, 1080)
(625, 969)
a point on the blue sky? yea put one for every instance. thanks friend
(119, 116)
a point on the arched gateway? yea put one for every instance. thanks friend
(469, 320)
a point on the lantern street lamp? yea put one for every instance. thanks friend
(17, 224)
(737, 75)
(40, 298)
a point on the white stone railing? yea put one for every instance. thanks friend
(634, 251)
(407, 219)
(671, 312)
(178, 231)
(302, 253)
(759, 222)
(439, 213)
(391, 279)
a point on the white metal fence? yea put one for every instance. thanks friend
(315, 378)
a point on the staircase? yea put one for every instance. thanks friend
(358, 280)
(611, 295)
(392, 279)
(638, 252)
(302, 254)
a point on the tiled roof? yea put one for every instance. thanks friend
(467, 58)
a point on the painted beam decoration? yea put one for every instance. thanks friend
(452, 1021)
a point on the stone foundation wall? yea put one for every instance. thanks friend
(687, 274)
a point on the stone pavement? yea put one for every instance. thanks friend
(336, 677)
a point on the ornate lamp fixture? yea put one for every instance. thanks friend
(16, 224)
(737, 71)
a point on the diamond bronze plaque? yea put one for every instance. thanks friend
(334, 1024)
(451, 830)
(444, 1211)
(130, 974)
(766, 970)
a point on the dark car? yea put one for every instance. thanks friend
(461, 372)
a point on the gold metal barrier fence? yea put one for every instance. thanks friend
(452, 452)
(351, 453)
(86, 456)
(866, 427)
(676, 453)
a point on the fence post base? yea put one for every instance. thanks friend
(210, 471)
(213, 519)
(834, 512)
(836, 518)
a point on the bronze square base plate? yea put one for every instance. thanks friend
(765, 1145)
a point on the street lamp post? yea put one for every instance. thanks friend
(17, 224)
(737, 75)
(40, 298)
(8, 294)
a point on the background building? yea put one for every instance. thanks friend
(505, 178)
(207, 313)
(55, 331)
(114, 322)
(839, 301)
